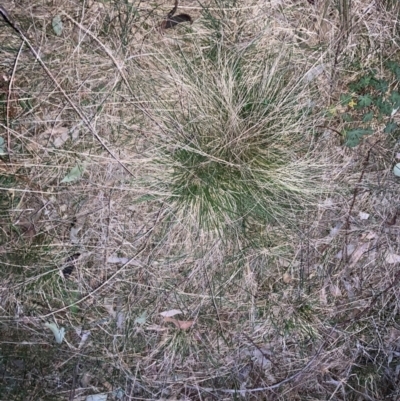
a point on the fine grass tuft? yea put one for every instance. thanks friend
(236, 135)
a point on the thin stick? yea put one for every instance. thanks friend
(9, 100)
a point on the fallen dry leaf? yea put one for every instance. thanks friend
(83, 335)
(322, 296)
(197, 336)
(392, 258)
(120, 320)
(59, 135)
(349, 250)
(170, 313)
(368, 235)
(335, 290)
(180, 324)
(155, 327)
(117, 259)
(73, 234)
(363, 216)
(349, 288)
(109, 307)
(335, 230)
(327, 203)
(394, 335)
(360, 251)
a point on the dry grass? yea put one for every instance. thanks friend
(283, 260)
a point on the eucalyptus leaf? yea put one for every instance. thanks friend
(118, 393)
(396, 170)
(75, 174)
(96, 397)
(57, 25)
(314, 72)
(2, 146)
(141, 319)
(58, 332)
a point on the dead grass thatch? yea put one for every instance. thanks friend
(94, 239)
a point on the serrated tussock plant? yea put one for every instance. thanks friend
(234, 137)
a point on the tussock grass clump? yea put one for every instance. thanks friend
(236, 135)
